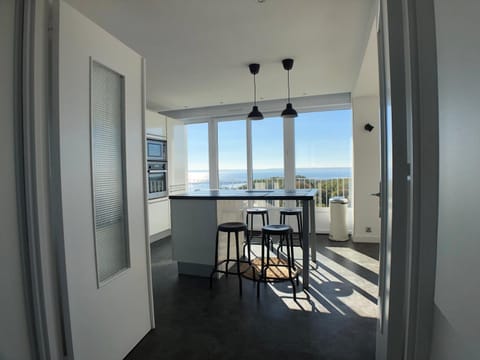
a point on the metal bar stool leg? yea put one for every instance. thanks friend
(247, 238)
(300, 229)
(228, 254)
(238, 262)
(248, 246)
(262, 264)
(289, 239)
(280, 241)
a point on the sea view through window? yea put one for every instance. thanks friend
(237, 179)
(323, 148)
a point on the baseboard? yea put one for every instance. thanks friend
(366, 239)
(160, 235)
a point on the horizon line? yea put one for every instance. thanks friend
(299, 168)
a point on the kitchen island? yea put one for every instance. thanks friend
(194, 224)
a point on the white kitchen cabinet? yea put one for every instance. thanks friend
(155, 124)
(158, 218)
(177, 156)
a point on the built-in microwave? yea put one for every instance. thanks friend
(156, 150)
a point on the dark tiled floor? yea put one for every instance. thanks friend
(334, 320)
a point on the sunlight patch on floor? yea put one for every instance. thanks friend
(334, 289)
(357, 257)
(333, 270)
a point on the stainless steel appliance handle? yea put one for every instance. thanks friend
(156, 171)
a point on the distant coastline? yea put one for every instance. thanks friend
(237, 178)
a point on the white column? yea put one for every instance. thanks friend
(213, 153)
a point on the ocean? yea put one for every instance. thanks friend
(231, 179)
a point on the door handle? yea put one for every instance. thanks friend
(378, 194)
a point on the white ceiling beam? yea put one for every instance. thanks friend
(268, 108)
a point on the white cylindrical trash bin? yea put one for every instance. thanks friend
(338, 219)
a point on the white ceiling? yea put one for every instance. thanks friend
(197, 51)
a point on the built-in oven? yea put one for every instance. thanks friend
(157, 179)
(156, 149)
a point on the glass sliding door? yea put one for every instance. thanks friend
(322, 146)
(198, 158)
(267, 153)
(323, 153)
(232, 154)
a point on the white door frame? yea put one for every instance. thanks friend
(422, 111)
(411, 30)
(421, 95)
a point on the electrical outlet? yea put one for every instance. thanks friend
(368, 229)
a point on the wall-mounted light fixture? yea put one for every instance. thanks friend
(289, 111)
(369, 127)
(255, 114)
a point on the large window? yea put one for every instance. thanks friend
(197, 152)
(323, 153)
(232, 154)
(267, 153)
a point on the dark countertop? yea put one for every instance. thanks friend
(304, 194)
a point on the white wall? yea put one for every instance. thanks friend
(366, 145)
(457, 293)
(14, 337)
(366, 169)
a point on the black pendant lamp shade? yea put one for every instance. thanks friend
(289, 111)
(255, 114)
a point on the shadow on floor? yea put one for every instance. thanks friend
(335, 319)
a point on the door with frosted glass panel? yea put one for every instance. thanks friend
(106, 284)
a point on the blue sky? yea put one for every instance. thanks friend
(323, 139)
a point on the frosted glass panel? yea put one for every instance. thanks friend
(111, 239)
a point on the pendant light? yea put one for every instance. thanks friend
(255, 114)
(289, 111)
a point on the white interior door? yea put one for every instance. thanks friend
(395, 190)
(107, 291)
(385, 194)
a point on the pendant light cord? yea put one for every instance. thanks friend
(288, 84)
(254, 91)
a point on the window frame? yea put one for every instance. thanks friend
(213, 115)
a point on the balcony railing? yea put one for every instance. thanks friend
(327, 188)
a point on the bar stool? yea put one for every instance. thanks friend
(230, 227)
(298, 214)
(276, 269)
(251, 213)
